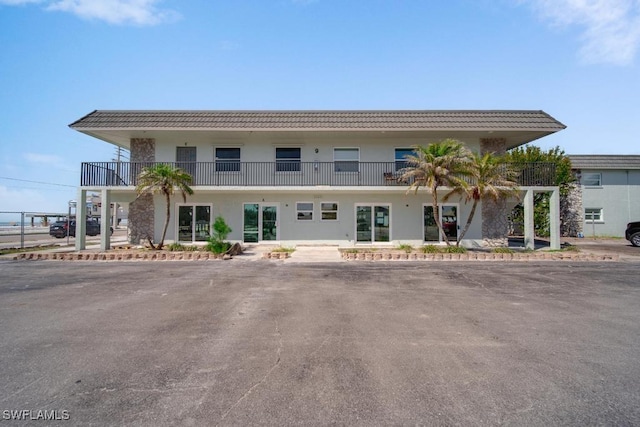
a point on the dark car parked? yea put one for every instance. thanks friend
(633, 233)
(59, 228)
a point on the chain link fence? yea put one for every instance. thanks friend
(14, 224)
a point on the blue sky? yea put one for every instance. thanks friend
(61, 59)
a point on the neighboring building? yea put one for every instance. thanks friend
(610, 187)
(288, 177)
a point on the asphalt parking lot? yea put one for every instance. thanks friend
(269, 343)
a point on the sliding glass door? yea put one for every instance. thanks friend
(373, 223)
(194, 223)
(448, 219)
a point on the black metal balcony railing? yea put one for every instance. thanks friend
(272, 174)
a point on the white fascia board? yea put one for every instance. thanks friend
(302, 189)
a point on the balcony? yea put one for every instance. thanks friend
(282, 174)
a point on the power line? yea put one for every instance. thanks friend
(38, 182)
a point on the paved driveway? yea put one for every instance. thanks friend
(270, 343)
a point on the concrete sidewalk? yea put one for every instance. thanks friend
(308, 254)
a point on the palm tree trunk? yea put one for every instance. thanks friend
(468, 224)
(436, 216)
(166, 221)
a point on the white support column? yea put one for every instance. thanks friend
(105, 221)
(529, 229)
(81, 220)
(554, 219)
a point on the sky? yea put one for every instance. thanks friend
(578, 60)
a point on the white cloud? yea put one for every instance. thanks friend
(610, 28)
(122, 12)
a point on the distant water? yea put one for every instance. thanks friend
(16, 224)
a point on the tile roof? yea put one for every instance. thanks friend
(604, 161)
(322, 120)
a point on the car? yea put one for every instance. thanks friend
(633, 233)
(59, 228)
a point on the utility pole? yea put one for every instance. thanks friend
(119, 156)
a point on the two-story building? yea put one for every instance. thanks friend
(322, 177)
(610, 192)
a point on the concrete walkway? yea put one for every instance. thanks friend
(315, 254)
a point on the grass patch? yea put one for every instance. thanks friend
(283, 249)
(429, 249)
(178, 247)
(502, 251)
(31, 249)
(454, 250)
(433, 249)
(405, 247)
(569, 248)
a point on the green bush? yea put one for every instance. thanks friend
(216, 243)
(220, 229)
(502, 251)
(405, 247)
(429, 249)
(455, 250)
(217, 247)
(175, 247)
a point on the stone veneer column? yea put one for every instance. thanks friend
(495, 222)
(141, 210)
(571, 212)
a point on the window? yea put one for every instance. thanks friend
(328, 211)
(592, 179)
(400, 158)
(346, 159)
(288, 159)
(304, 211)
(593, 215)
(227, 160)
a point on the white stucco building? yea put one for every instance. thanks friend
(610, 187)
(290, 177)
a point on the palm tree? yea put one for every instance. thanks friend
(492, 179)
(442, 164)
(163, 179)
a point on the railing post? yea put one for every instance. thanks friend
(21, 230)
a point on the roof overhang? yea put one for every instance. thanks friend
(515, 126)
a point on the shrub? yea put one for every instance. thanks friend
(217, 247)
(216, 242)
(175, 247)
(429, 249)
(405, 247)
(502, 251)
(455, 250)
